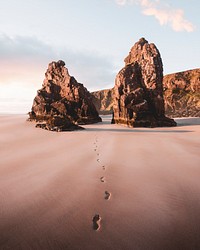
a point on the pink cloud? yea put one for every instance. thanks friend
(165, 14)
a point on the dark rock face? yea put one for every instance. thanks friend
(138, 92)
(182, 93)
(62, 96)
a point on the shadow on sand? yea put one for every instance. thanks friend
(134, 130)
(192, 121)
(106, 120)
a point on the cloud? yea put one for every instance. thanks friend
(165, 14)
(22, 47)
(121, 2)
(25, 59)
(22, 59)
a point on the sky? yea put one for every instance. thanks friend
(93, 37)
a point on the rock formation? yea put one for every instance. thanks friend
(62, 102)
(181, 95)
(138, 91)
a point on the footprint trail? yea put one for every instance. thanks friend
(96, 222)
(102, 179)
(107, 195)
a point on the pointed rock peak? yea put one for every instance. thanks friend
(54, 65)
(60, 63)
(142, 41)
(141, 50)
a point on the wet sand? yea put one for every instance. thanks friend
(107, 187)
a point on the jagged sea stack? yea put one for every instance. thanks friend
(63, 99)
(138, 91)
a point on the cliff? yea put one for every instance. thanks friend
(181, 95)
(103, 101)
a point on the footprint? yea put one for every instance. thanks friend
(95, 149)
(96, 222)
(107, 195)
(97, 154)
(103, 167)
(98, 160)
(102, 179)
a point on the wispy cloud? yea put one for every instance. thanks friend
(25, 59)
(164, 13)
(121, 2)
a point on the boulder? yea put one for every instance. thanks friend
(58, 124)
(138, 92)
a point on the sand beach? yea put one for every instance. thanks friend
(143, 183)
